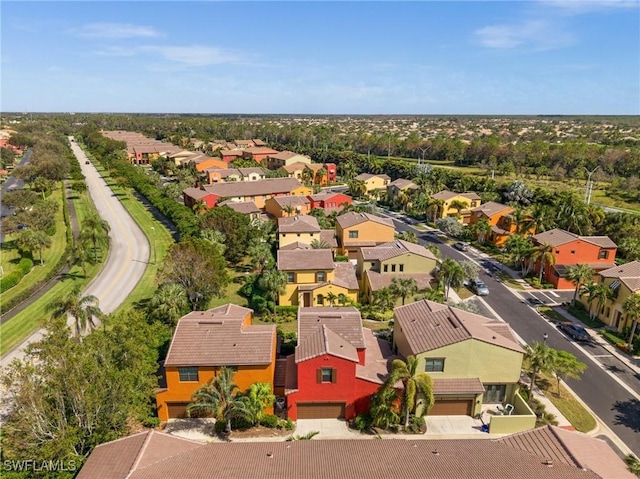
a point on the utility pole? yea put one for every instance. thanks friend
(589, 189)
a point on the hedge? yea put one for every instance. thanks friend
(13, 278)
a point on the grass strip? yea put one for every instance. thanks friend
(567, 404)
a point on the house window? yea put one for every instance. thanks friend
(320, 276)
(393, 268)
(495, 393)
(291, 277)
(386, 268)
(320, 300)
(401, 268)
(353, 234)
(434, 365)
(604, 254)
(326, 375)
(188, 374)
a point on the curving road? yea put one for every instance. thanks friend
(128, 253)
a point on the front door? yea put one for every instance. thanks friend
(307, 300)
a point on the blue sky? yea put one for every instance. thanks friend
(447, 57)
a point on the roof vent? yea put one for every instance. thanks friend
(270, 455)
(548, 463)
(435, 452)
(453, 322)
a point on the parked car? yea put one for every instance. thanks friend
(574, 331)
(478, 287)
(533, 301)
(461, 246)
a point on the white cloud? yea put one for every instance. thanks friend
(576, 7)
(194, 55)
(115, 31)
(534, 34)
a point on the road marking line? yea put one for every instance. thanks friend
(553, 294)
(602, 355)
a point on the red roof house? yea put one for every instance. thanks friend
(329, 201)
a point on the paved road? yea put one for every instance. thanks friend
(11, 184)
(616, 404)
(128, 256)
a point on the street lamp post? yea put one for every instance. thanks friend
(587, 193)
(153, 233)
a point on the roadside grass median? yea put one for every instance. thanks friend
(567, 404)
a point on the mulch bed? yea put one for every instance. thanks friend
(260, 431)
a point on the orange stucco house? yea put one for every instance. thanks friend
(205, 341)
(500, 217)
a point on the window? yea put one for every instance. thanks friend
(188, 374)
(386, 268)
(495, 393)
(393, 268)
(353, 234)
(321, 276)
(604, 254)
(291, 277)
(326, 375)
(434, 365)
(320, 300)
(401, 268)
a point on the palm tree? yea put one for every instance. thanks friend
(82, 256)
(433, 294)
(543, 256)
(434, 207)
(518, 248)
(168, 303)
(307, 175)
(602, 293)
(589, 289)
(348, 170)
(541, 218)
(384, 299)
(451, 274)
(539, 357)
(458, 205)
(342, 299)
(631, 307)
(579, 275)
(320, 175)
(256, 399)
(84, 310)
(289, 209)
(482, 229)
(332, 297)
(418, 386)
(273, 282)
(95, 230)
(403, 287)
(319, 244)
(357, 188)
(383, 409)
(219, 398)
(260, 254)
(201, 207)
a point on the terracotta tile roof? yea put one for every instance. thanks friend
(244, 207)
(491, 208)
(231, 152)
(352, 218)
(383, 280)
(346, 322)
(280, 373)
(324, 341)
(225, 172)
(305, 260)
(349, 459)
(628, 273)
(291, 375)
(368, 176)
(377, 359)
(295, 200)
(458, 386)
(195, 193)
(329, 236)
(285, 155)
(447, 195)
(428, 326)
(295, 245)
(394, 249)
(248, 171)
(116, 459)
(402, 183)
(268, 186)
(345, 275)
(557, 237)
(217, 338)
(571, 448)
(260, 150)
(298, 223)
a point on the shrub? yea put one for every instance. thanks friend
(151, 421)
(240, 422)
(363, 422)
(341, 258)
(288, 424)
(220, 427)
(287, 310)
(12, 279)
(270, 421)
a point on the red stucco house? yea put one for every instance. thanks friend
(336, 367)
(329, 201)
(570, 249)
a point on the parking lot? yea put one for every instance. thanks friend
(547, 297)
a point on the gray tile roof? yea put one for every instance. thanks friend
(367, 176)
(305, 260)
(352, 218)
(428, 325)
(402, 183)
(217, 338)
(195, 193)
(244, 207)
(298, 223)
(295, 200)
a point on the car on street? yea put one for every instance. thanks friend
(574, 331)
(478, 287)
(533, 301)
(461, 246)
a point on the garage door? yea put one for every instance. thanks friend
(177, 409)
(320, 410)
(451, 407)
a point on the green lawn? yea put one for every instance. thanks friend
(551, 314)
(231, 294)
(568, 405)
(9, 255)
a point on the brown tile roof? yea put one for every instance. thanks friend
(329, 237)
(345, 275)
(571, 448)
(458, 386)
(428, 325)
(195, 193)
(295, 245)
(225, 172)
(291, 375)
(285, 155)
(248, 171)
(352, 218)
(324, 341)
(217, 338)
(394, 249)
(628, 273)
(447, 195)
(557, 237)
(244, 142)
(325, 196)
(305, 260)
(280, 373)
(367, 176)
(268, 186)
(377, 359)
(260, 150)
(491, 208)
(402, 183)
(349, 459)
(298, 165)
(244, 207)
(345, 321)
(298, 224)
(294, 200)
(116, 459)
(383, 280)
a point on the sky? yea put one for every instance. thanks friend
(571, 57)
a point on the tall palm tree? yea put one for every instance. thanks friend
(418, 386)
(541, 218)
(602, 293)
(579, 275)
(539, 357)
(482, 229)
(169, 303)
(260, 254)
(348, 170)
(518, 248)
(219, 398)
(631, 307)
(83, 309)
(95, 230)
(543, 256)
(357, 188)
(273, 282)
(458, 205)
(451, 274)
(403, 287)
(321, 175)
(384, 299)
(590, 289)
(81, 255)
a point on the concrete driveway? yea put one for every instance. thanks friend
(327, 428)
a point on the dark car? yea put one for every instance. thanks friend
(533, 301)
(575, 332)
(461, 246)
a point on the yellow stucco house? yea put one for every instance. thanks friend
(472, 359)
(300, 232)
(358, 230)
(449, 198)
(374, 182)
(623, 281)
(379, 265)
(312, 276)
